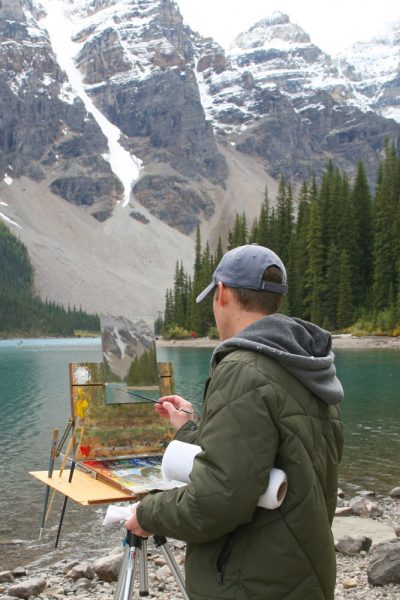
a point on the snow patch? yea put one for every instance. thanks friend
(47, 80)
(8, 220)
(66, 94)
(61, 32)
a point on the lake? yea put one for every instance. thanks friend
(34, 398)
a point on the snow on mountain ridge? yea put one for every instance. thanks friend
(373, 68)
(274, 54)
(273, 31)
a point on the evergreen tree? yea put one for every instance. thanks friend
(314, 283)
(263, 223)
(362, 237)
(345, 300)
(386, 230)
(284, 220)
(332, 289)
(298, 259)
(238, 236)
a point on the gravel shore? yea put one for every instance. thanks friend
(339, 341)
(92, 580)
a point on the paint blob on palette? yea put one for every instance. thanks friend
(137, 475)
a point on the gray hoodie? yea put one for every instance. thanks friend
(302, 348)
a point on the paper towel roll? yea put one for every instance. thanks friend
(177, 464)
(276, 490)
(177, 461)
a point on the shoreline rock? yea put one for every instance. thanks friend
(368, 561)
(339, 341)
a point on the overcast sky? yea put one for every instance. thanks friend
(332, 25)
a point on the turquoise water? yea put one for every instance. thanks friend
(34, 398)
(371, 410)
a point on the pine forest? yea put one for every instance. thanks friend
(341, 248)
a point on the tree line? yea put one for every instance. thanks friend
(339, 242)
(22, 312)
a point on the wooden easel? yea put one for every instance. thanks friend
(85, 488)
(81, 485)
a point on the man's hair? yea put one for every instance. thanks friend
(259, 300)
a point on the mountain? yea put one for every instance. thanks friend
(279, 97)
(373, 69)
(99, 98)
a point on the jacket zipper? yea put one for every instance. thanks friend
(223, 558)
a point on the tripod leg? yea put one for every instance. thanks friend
(127, 572)
(161, 542)
(143, 572)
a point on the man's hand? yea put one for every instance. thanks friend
(133, 524)
(171, 407)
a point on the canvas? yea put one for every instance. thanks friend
(120, 437)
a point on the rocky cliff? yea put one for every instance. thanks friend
(46, 133)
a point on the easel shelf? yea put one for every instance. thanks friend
(83, 488)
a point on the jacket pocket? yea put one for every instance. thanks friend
(223, 558)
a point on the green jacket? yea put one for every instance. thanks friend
(256, 415)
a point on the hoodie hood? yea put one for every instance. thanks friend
(302, 348)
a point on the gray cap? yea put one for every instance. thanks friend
(244, 267)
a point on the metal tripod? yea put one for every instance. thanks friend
(136, 552)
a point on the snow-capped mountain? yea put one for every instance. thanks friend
(281, 98)
(101, 97)
(273, 55)
(373, 68)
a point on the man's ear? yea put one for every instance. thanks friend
(224, 294)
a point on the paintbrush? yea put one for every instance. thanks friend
(151, 400)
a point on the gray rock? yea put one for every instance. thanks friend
(384, 567)
(30, 587)
(171, 200)
(107, 568)
(343, 511)
(83, 584)
(81, 570)
(395, 492)
(6, 576)
(364, 507)
(70, 565)
(19, 572)
(163, 572)
(353, 545)
(366, 494)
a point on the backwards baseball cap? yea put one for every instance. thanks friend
(244, 267)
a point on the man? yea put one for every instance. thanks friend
(272, 400)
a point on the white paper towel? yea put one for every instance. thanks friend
(177, 464)
(116, 514)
